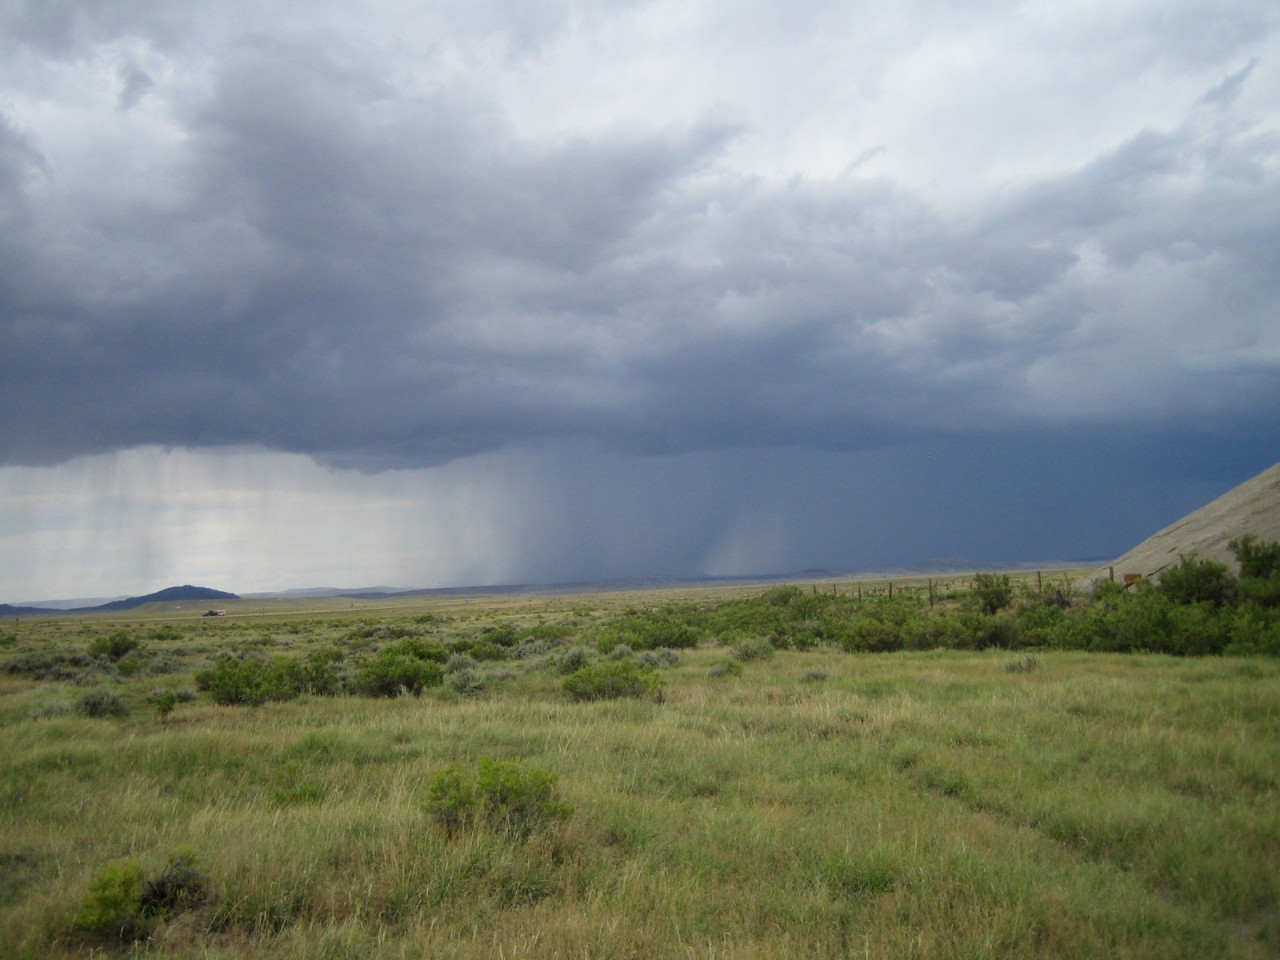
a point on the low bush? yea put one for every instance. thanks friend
(991, 592)
(506, 796)
(180, 886)
(113, 906)
(163, 701)
(612, 680)
(678, 628)
(464, 681)
(250, 681)
(1192, 580)
(756, 648)
(869, 634)
(460, 661)
(392, 672)
(45, 665)
(320, 673)
(114, 646)
(101, 702)
(122, 905)
(574, 659)
(662, 657)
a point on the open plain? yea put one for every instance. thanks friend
(750, 799)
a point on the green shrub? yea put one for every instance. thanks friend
(1192, 580)
(320, 673)
(1255, 631)
(419, 649)
(1039, 622)
(869, 634)
(992, 592)
(250, 681)
(113, 906)
(113, 646)
(612, 680)
(948, 630)
(502, 635)
(129, 666)
(163, 701)
(1258, 559)
(122, 905)
(480, 649)
(392, 671)
(502, 795)
(673, 627)
(1259, 591)
(996, 631)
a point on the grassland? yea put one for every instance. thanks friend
(766, 803)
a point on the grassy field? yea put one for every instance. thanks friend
(760, 804)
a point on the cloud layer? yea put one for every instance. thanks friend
(384, 237)
(383, 241)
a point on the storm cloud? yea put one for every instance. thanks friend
(390, 239)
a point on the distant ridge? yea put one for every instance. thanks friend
(169, 594)
(1252, 507)
(185, 592)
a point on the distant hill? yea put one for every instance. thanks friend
(1253, 507)
(185, 592)
(169, 594)
(10, 611)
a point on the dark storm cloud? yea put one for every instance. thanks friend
(377, 274)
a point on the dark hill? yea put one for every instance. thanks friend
(9, 610)
(169, 594)
(185, 592)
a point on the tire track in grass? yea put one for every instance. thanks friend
(1082, 843)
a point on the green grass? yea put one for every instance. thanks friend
(911, 804)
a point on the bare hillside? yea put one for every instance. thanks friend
(1253, 507)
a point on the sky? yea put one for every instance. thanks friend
(324, 293)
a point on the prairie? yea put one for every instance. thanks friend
(751, 802)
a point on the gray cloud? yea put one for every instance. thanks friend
(336, 259)
(629, 289)
(135, 83)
